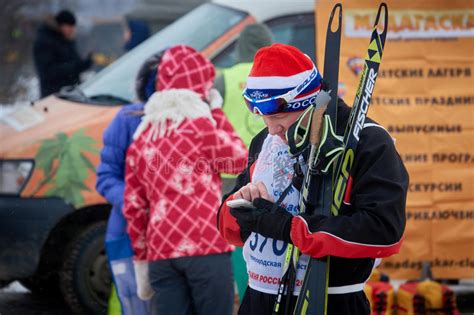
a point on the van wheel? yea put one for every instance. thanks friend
(85, 279)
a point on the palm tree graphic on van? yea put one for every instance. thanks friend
(65, 166)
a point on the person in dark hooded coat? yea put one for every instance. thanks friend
(136, 33)
(55, 54)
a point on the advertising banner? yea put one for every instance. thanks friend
(424, 97)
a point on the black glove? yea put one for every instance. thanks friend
(268, 220)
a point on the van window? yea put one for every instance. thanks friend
(198, 29)
(295, 30)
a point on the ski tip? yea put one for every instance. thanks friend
(338, 6)
(322, 99)
(383, 6)
(333, 12)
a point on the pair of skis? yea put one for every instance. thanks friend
(330, 160)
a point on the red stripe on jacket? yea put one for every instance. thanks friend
(321, 244)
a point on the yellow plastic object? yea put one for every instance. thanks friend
(381, 297)
(114, 303)
(426, 297)
(432, 292)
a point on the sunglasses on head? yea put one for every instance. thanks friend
(275, 104)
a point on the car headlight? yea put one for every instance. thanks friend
(14, 174)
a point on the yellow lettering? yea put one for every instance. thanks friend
(444, 22)
(406, 23)
(430, 23)
(347, 165)
(470, 21)
(342, 181)
(418, 19)
(392, 22)
(457, 22)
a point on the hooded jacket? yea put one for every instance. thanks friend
(172, 182)
(173, 187)
(139, 32)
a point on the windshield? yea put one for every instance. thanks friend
(197, 29)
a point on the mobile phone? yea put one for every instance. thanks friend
(240, 203)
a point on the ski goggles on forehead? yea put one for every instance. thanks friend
(275, 104)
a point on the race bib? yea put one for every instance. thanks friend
(265, 256)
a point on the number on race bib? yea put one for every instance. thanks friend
(254, 245)
(280, 251)
(263, 244)
(277, 251)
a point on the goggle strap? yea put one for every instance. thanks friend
(288, 96)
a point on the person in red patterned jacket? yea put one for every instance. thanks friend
(173, 190)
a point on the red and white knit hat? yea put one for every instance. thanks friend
(182, 67)
(279, 68)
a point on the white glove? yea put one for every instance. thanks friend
(144, 289)
(215, 99)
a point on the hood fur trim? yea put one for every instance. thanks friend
(166, 110)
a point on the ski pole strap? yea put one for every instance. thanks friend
(298, 133)
(331, 146)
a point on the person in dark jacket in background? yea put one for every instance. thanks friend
(111, 184)
(55, 54)
(135, 33)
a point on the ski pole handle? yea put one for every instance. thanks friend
(322, 101)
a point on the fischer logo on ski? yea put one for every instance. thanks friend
(369, 88)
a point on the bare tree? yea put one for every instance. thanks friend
(17, 32)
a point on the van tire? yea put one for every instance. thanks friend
(85, 279)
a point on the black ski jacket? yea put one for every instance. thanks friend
(56, 60)
(371, 220)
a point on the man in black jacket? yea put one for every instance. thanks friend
(55, 55)
(371, 219)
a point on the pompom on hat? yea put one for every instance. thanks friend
(282, 79)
